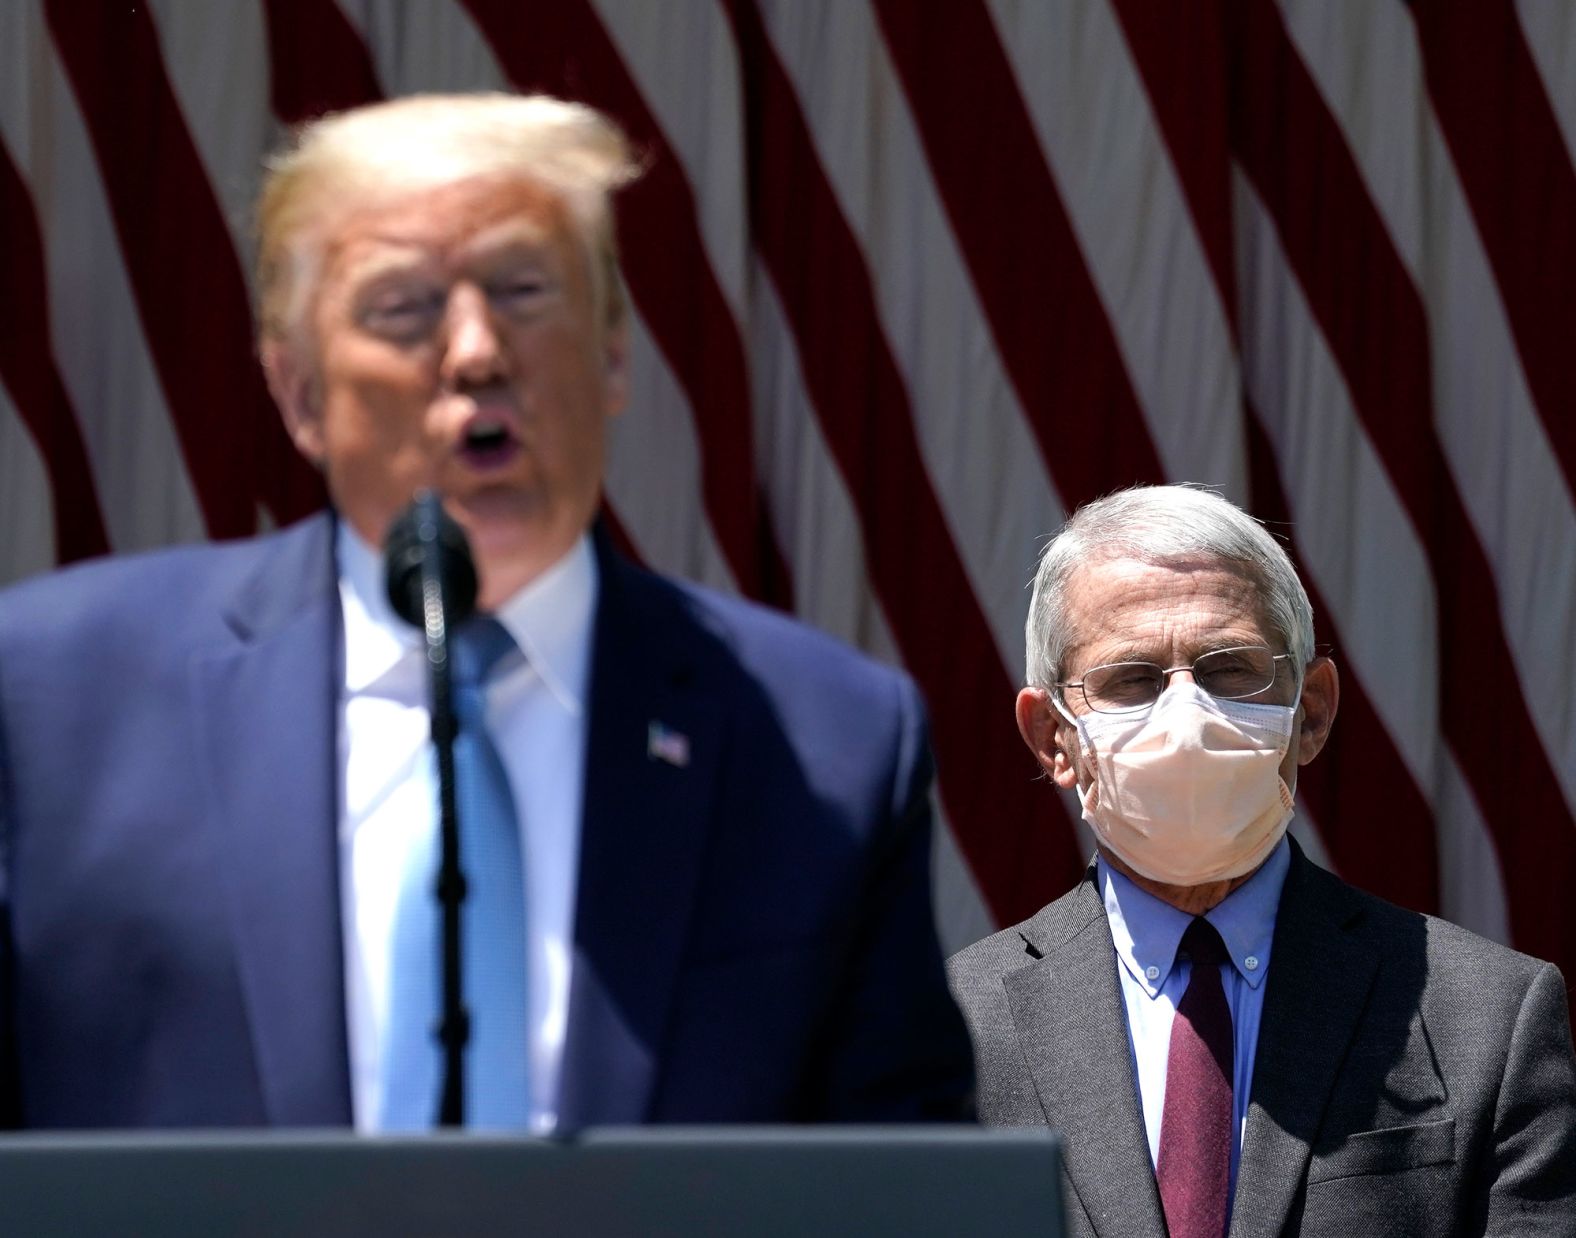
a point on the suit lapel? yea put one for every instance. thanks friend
(1320, 977)
(266, 708)
(1067, 1008)
(652, 758)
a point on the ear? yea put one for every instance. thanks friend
(1051, 738)
(615, 368)
(291, 383)
(1321, 695)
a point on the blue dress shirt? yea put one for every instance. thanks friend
(1147, 932)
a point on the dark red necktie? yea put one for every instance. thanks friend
(1194, 1169)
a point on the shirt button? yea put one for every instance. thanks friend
(1152, 972)
(1251, 962)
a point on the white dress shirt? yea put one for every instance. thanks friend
(536, 712)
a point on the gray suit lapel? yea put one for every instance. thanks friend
(1067, 1008)
(1320, 977)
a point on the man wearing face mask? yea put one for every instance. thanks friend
(1229, 1038)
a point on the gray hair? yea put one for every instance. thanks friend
(1163, 525)
(383, 150)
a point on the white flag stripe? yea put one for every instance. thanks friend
(811, 508)
(217, 60)
(26, 498)
(812, 512)
(1472, 888)
(1135, 230)
(430, 46)
(808, 499)
(961, 915)
(1370, 583)
(1377, 584)
(701, 114)
(1550, 28)
(985, 467)
(425, 47)
(138, 470)
(1365, 60)
(1503, 467)
(660, 507)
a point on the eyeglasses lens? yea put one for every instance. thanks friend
(1226, 673)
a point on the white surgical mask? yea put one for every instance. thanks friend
(1190, 791)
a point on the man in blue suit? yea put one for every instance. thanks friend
(214, 776)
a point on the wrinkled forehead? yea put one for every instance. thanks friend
(445, 214)
(448, 221)
(1124, 608)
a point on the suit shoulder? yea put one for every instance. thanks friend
(754, 625)
(1019, 944)
(119, 594)
(84, 592)
(1458, 960)
(990, 956)
(1450, 947)
(773, 647)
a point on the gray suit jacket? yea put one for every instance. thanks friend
(1411, 1078)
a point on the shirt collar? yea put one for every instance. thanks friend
(1147, 930)
(550, 619)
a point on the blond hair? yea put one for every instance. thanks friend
(385, 150)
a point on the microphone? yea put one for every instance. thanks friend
(431, 583)
(424, 543)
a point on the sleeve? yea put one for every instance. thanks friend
(1534, 1168)
(896, 1049)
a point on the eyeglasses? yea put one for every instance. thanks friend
(1229, 674)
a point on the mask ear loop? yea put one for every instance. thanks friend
(1085, 758)
(1057, 706)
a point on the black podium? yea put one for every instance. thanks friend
(760, 1181)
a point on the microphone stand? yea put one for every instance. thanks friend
(454, 1029)
(427, 530)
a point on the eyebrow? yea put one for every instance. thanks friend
(389, 261)
(503, 237)
(1141, 653)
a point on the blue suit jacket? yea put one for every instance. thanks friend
(753, 935)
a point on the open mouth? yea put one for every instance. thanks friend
(488, 444)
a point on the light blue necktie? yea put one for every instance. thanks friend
(497, 1065)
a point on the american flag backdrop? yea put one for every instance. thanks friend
(910, 282)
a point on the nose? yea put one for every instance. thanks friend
(473, 353)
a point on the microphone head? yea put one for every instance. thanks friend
(425, 533)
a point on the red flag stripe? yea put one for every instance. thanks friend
(1519, 181)
(1359, 765)
(175, 246)
(29, 372)
(1360, 761)
(820, 275)
(565, 50)
(1373, 319)
(1058, 347)
(317, 60)
(1180, 53)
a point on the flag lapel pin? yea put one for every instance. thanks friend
(665, 744)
